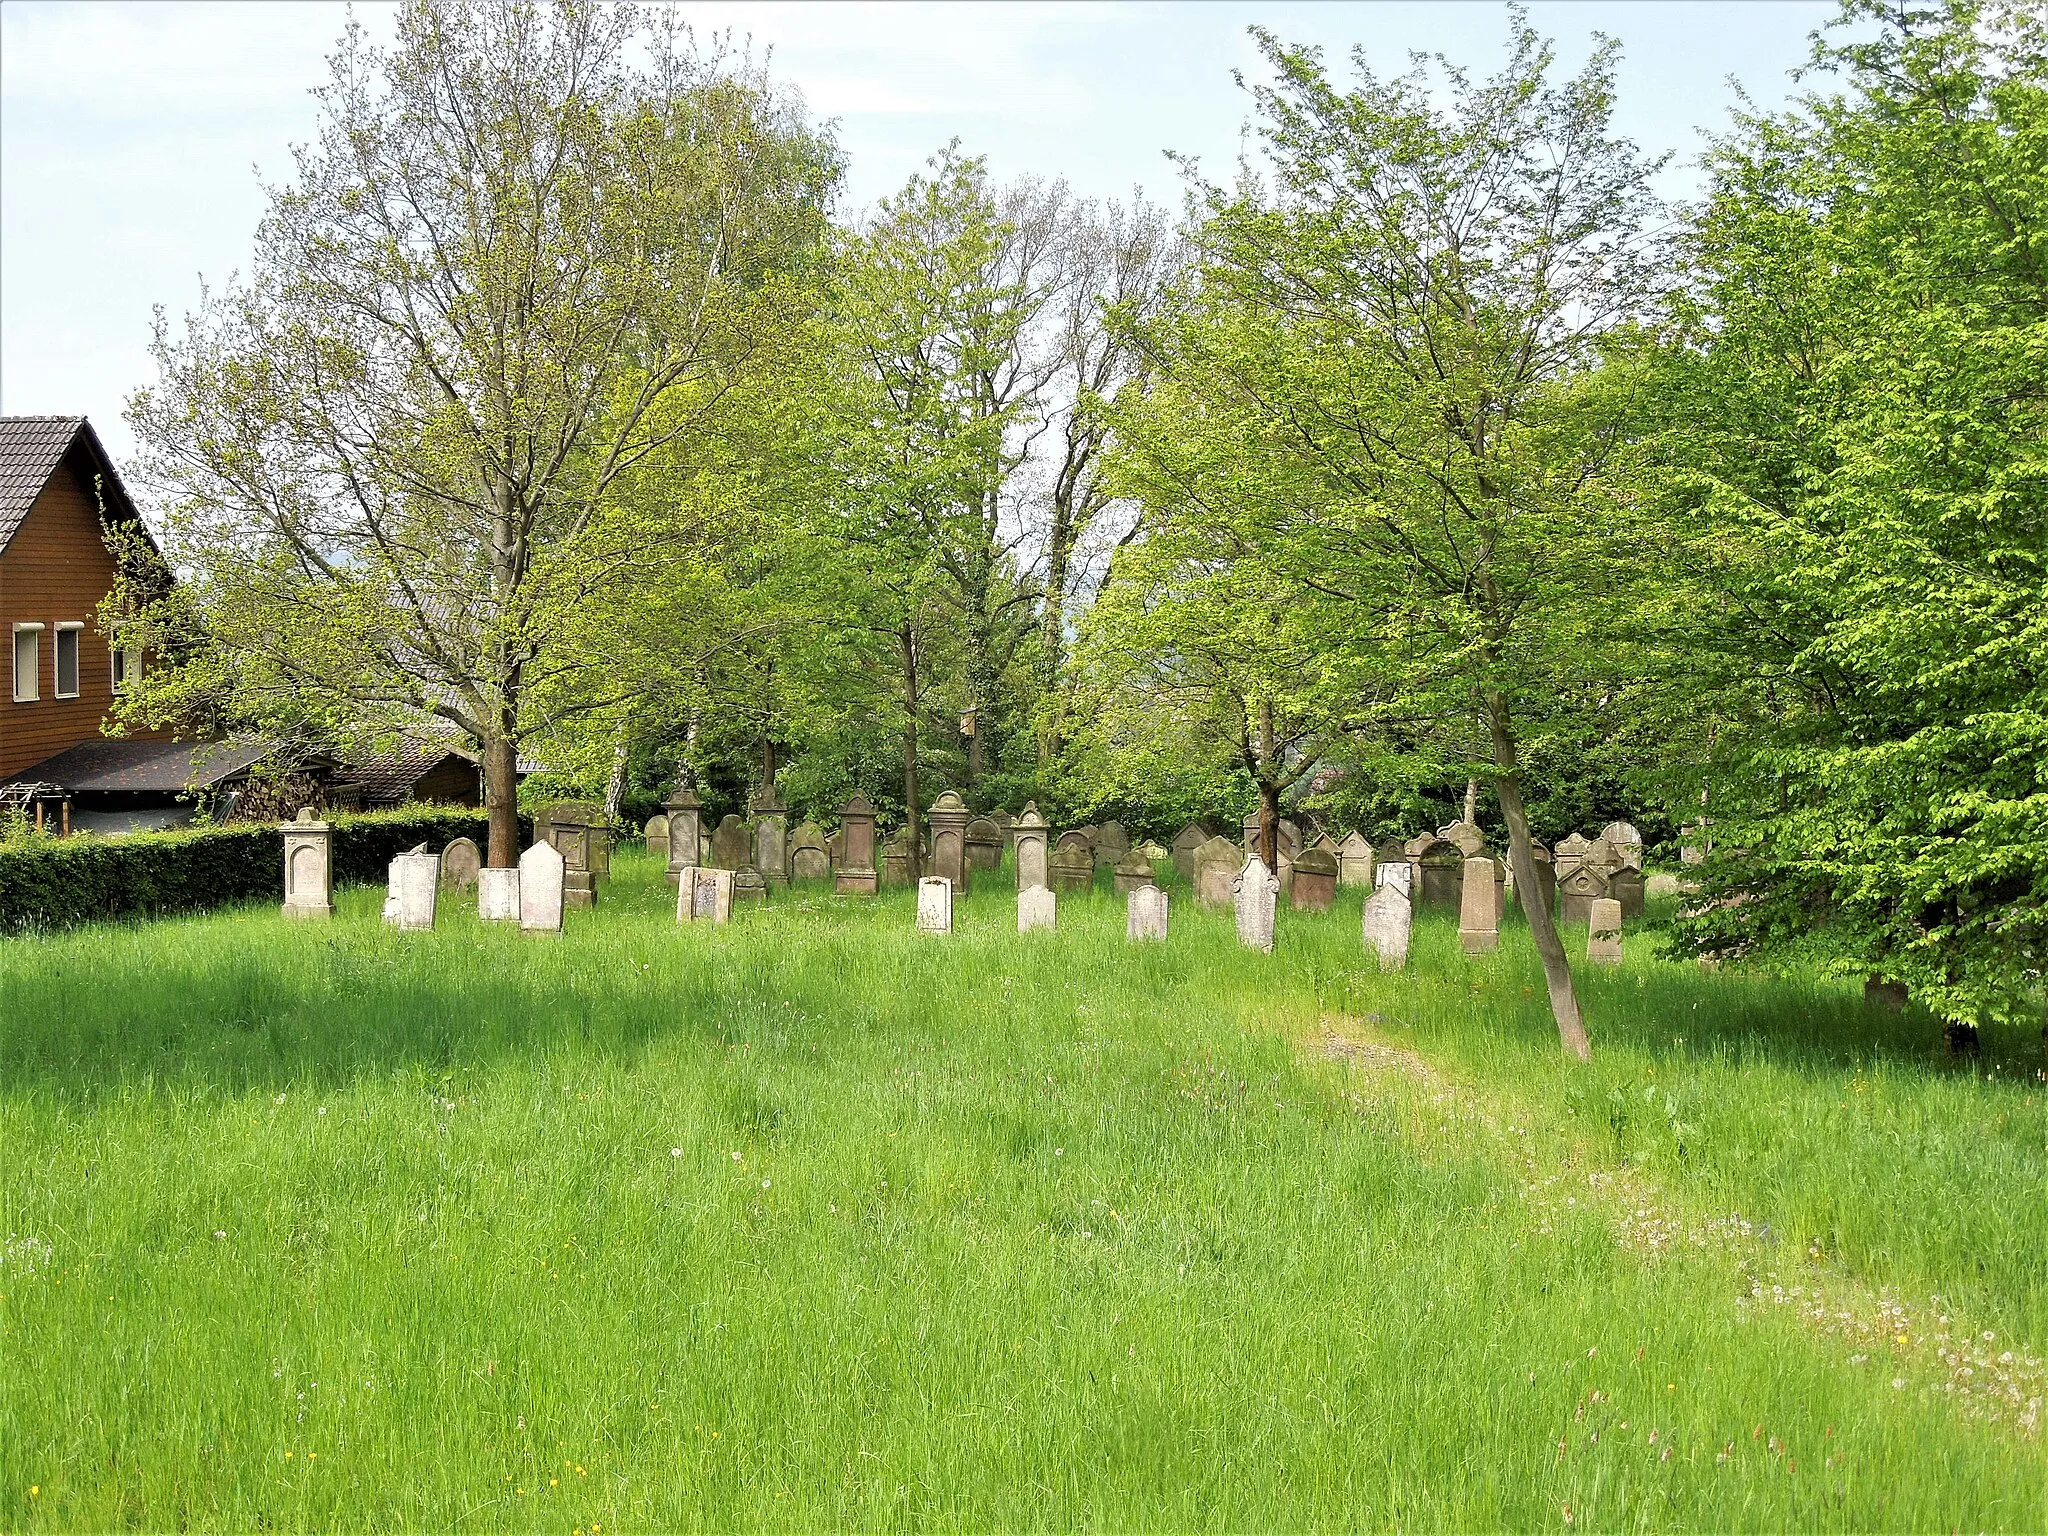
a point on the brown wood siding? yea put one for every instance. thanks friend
(453, 783)
(54, 571)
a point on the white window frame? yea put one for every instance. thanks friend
(34, 680)
(70, 627)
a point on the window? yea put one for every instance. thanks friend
(67, 659)
(127, 667)
(28, 663)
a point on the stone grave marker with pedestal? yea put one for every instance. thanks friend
(308, 866)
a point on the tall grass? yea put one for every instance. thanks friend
(809, 1220)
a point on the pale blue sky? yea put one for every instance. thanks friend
(131, 135)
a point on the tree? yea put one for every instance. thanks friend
(518, 263)
(1858, 443)
(1401, 378)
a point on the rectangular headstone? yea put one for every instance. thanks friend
(1478, 909)
(1603, 932)
(1037, 907)
(934, 904)
(497, 895)
(1388, 917)
(1354, 861)
(415, 881)
(541, 874)
(704, 896)
(1397, 873)
(1255, 894)
(1145, 914)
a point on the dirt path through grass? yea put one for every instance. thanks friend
(1925, 1348)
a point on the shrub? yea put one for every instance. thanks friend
(56, 882)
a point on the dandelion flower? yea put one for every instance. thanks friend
(764, 1183)
(675, 1151)
(735, 1157)
(218, 1233)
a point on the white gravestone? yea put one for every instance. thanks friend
(1399, 874)
(1145, 914)
(415, 882)
(1388, 915)
(1037, 907)
(704, 895)
(541, 877)
(1603, 932)
(308, 867)
(935, 904)
(1478, 909)
(1255, 893)
(497, 895)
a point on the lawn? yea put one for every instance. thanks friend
(812, 1221)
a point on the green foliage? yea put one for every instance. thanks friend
(1864, 472)
(51, 882)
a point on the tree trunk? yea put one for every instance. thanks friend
(1269, 793)
(1471, 802)
(1557, 971)
(973, 747)
(501, 797)
(908, 642)
(615, 786)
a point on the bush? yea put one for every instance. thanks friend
(56, 882)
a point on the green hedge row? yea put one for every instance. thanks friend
(56, 882)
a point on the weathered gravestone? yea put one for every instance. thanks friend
(542, 873)
(1186, 843)
(460, 866)
(1134, 870)
(685, 832)
(1626, 842)
(1399, 874)
(934, 904)
(575, 828)
(704, 896)
(1005, 823)
(1465, 837)
(949, 817)
(1216, 864)
(308, 866)
(1569, 854)
(1256, 895)
(497, 895)
(771, 837)
(1388, 916)
(1145, 910)
(748, 884)
(1627, 886)
(1441, 868)
(1156, 856)
(1354, 861)
(1315, 879)
(1037, 907)
(730, 845)
(1110, 845)
(1030, 833)
(1603, 932)
(808, 858)
(1479, 909)
(1661, 886)
(896, 858)
(856, 874)
(655, 833)
(1577, 891)
(415, 880)
(1072, 866)
(984, 844)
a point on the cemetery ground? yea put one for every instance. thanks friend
(812, 1221)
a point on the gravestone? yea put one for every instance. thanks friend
(1145, 910)
(685, 832)
(415, 881)
(984, 844)
(856, 863)
(655, 833)
(1287, 835)
(896, 858)
(497, 895)
(1037, 907)
(1134, 871)
(1660, 886)
(1156, 856)
(1399, 874)
(1186, 842)
(1029, 833)
(1442, 869)
(704, 896)
(1577, 891)
(543, 874)
(771, 837)
(1388, 917)
(1072, 865)
(808, 858)
(1354, 861)
(1255, 893)
(1626, 842)
(1479, 909)
(730, 845)
(1323, 842)
(1006, 824)
(934, 904)
(1546, 878)
(1216, 865)
(948, 817)
(1627, 886)
(460, 866)
(748, 884)
(308, 866)
(574, 827)
(1465, 837)
(1284, 872)
(835, 849)
(1110, 845)
(1603, 932)
(1569, 854)
(1315, 879)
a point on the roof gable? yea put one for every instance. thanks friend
(34, 448)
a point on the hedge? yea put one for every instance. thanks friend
(56, 882)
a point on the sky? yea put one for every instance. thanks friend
(135, 138)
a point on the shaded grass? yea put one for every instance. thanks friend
(808, 1220)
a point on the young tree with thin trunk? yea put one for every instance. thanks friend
(521, 259)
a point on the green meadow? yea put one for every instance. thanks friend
(809, 1221)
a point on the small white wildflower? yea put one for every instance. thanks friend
(735, 1157)
(220, 1234)
(278, 1100)
(675, 1151)
(321, 1110)
(1059, 1151)
(764, 1183)
(1898, 1383)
